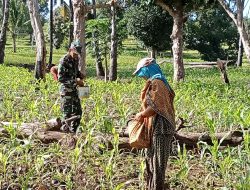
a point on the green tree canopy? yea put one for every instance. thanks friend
(213, 34)
(150, 25)
(102, 25)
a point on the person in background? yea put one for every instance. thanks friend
(69, 77)
(157, 112)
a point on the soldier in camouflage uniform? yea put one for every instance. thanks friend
(68, 73)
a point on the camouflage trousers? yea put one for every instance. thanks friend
(71, 106)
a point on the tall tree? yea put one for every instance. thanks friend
(96, 49)
(179, 10)
(240, 54)
(71, 29)
(150, 25)
(113, 51)
(212, 33)
(2, 10)
(237, 17)
(103, 28)
(4, 30)
(79, 30)
(51, 31)
(176, 10)
(39, 37)
(16, 20)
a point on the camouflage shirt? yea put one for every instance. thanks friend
(67, 73)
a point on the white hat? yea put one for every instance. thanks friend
(142, 63)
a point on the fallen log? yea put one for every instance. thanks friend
(46, 133)
(200, 66)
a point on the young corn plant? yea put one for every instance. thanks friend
(4, 159)
(142, 173)
(182, 161)
(225, 164)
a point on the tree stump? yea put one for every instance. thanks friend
(222, 65)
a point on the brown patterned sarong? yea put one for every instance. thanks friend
(160, 98)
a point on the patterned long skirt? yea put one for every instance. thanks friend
(157, 157)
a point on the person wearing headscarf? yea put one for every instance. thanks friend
(158, 114)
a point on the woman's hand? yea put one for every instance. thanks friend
(139, 117)
(146, 113)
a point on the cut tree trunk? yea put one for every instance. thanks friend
(113, 51)
(79, 31)
(95, 34)
(4, 29)
(223, 70)
(40, 67)
(49, 132)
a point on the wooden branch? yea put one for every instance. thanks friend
(200, 63)
(166, 7)
(102, 6)
(180, 124)
(227, 9)
(194, 63)
(98, 6)
(201, 66)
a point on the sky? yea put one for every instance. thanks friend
(247, 9)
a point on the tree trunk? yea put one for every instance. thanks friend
(79, 31)
(241, 28)
(14, 42)
(98, 58)
(51, 33)
(239, 24)
(153, 53)
(106, 65)
(71, 28)
(240, 54)
(39, 37)
(113, 51)
(4, 30)
(32, 39)
(3, 6)
(177, 38)
(245, 41)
